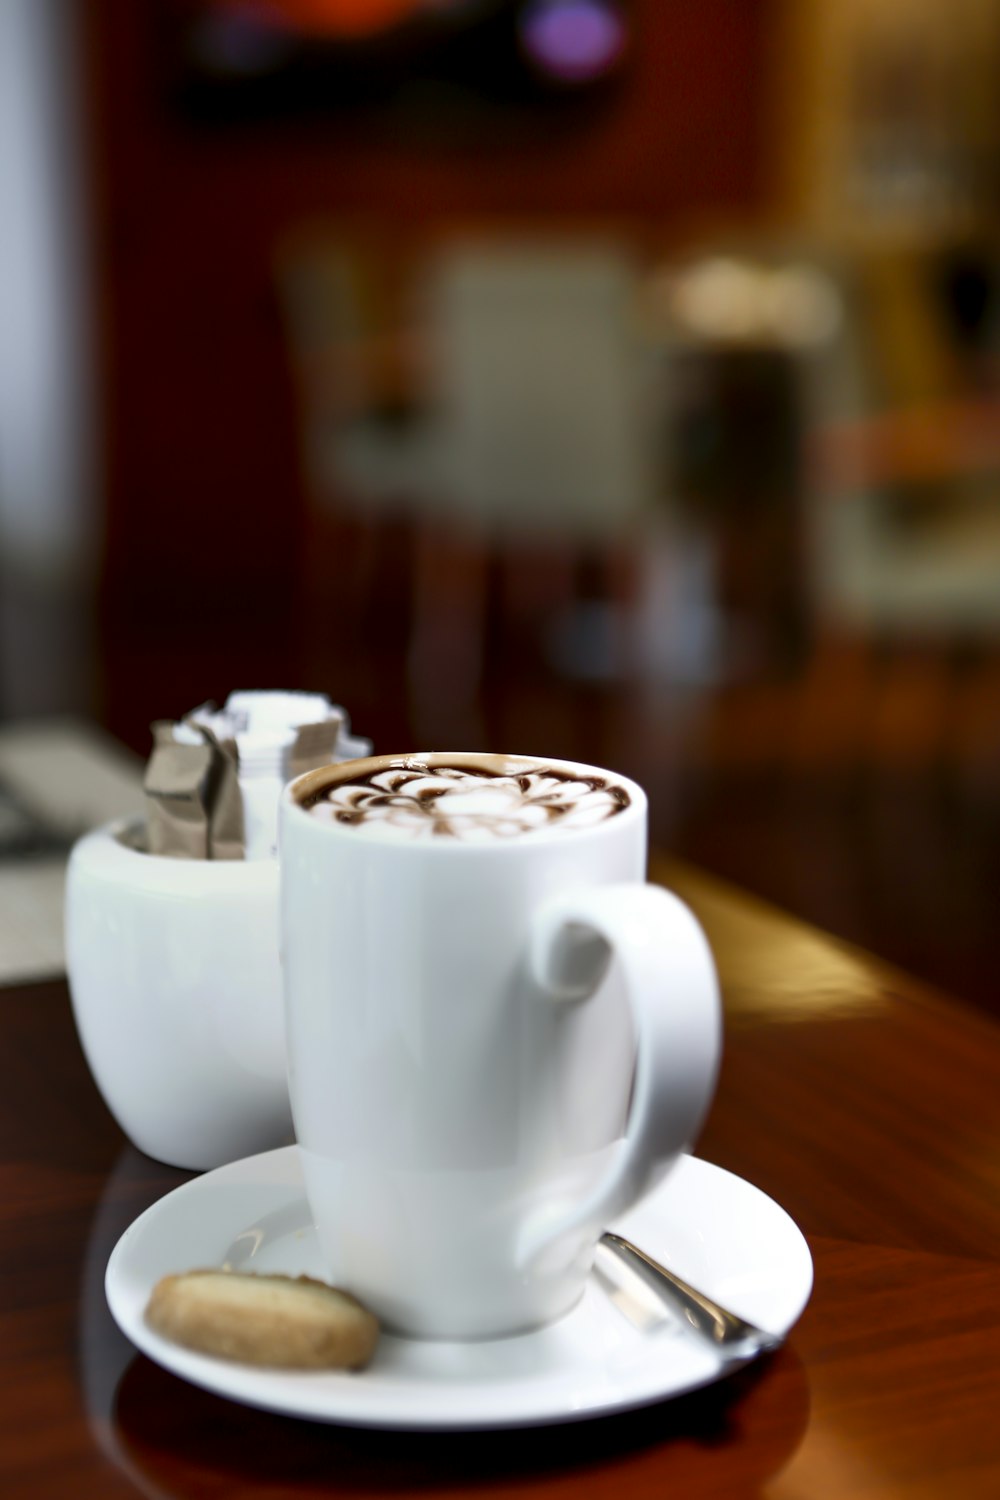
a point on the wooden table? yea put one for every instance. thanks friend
(866, 1105)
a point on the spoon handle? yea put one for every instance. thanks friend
(733, 1336)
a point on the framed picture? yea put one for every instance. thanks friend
(232, 59)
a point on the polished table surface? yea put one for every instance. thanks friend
(866, 1105)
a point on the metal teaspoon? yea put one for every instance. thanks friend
(736, 1340)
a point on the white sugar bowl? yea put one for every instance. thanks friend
(175, 979)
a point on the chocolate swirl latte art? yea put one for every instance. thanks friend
(414, 801)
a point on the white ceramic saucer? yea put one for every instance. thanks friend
(714, 1229)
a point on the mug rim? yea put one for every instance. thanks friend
(291, 800)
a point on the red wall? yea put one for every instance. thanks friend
(204, 505)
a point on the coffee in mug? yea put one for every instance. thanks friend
(499, 1036)
(495, 798)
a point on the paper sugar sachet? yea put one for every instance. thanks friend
(193, 805)
(214, 779)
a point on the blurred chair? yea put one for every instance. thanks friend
(537, 394)
(521, 403)
(528, 426)
(911, 512)
(542, 433)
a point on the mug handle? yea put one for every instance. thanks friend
(672, 988)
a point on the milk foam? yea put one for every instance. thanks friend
(414, 801)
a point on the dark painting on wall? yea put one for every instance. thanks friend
(412, 60)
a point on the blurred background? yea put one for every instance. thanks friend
(612, 379)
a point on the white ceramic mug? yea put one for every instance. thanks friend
(494, 1049)
(175, 981)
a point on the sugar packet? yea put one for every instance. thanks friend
(193, 805)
